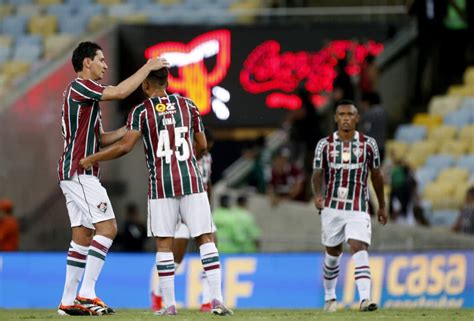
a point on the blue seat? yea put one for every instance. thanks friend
(31, 40)
(19, 2)
(458, 118)
(443, 217)
(410, 133)
(73, 25)
(27, 52)
(425, 175)
(440, 161)
(466, 161)
(14, 25)
(78, 3)
(91, 10)
(468, 103)
(5, 53)
(121, 10)
(61, 10)
(140, 3)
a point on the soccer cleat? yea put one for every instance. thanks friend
(89, 303)
(156, 302)
(171, 310)
(74, 310)
(219, 308)
(367, 305)
(206, 307)
(330, 305)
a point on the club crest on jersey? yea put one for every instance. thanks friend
(102, 207)
(357, 151)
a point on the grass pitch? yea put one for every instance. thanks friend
(259, 315)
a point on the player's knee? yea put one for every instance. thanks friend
(204, 238)
(107, 229)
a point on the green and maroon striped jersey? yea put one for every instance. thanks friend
(81, 125)
(346, 167)
(168, 125)
(205, 167)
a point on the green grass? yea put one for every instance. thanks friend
(260, 315)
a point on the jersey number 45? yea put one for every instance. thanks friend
(164, 146)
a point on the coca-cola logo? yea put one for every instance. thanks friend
(267, 70)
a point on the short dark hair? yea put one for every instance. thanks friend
(86, 49)
(346, 102)
(159, 76)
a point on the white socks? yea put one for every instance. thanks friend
(76, 262)
(212, 268)
(165, 266)
(362, 274)
(330, 274)
(95, 261)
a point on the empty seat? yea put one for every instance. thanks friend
(29, 10)
(461, 90)
(443, 217)
(108, 2)
(13, 69)
(121, 10)
(440, 194)
(61, 10)
(73, 25)
(29, 40)
(441, 105)
(28, 53)
(6, 41)
(43, 25)
(428, 120)
(442, 133)
(19, 2)
(141, 3)
(14, 25)
(459, 194)
(467, 133)
(424, 176)
(99, 22)
(48, 2)
(396, 149)
(467, 162)
(57, 43)
(458, 118)
(440, 161)
(91, 10)
(454, 174)
(427, 147)
(5, 10)
(468, 103)
(469, 76)
(415, 158)
(455, 147)
(410, 133)
(5, 54)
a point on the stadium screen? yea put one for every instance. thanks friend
(248, 77)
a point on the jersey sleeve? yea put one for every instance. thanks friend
(373, 153)
(136, 118)
(87, 89)
(320, 154)
(198, 125)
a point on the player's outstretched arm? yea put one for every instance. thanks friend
(108, 138)
(317, 185)
(114, 151)
(126, 87)
(377, 181)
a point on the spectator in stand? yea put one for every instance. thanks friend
(369, 75)
(402, 193)
(9, 228)
(133, 236)
(465, 221)
(249, 227)
(374, 120)
(256, 177)
(286, 181)
(228, 229)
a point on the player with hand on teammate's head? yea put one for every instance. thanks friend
(343, 161)
(173, 135)
(91, 215)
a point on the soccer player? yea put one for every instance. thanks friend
(169, 125)
(343, 161)
(87, 202)
(182, 235)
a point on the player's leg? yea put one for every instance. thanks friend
(163, 215)
(332, 227)
(97, 205)
(358, 234)
(200, 225)
(82, 233)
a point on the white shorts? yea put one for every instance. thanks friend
(339, 226)
(182, 230)
(87, 201)
(164, 214)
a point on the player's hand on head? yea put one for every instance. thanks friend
(382, 216)
(158, 63)
(86, 163)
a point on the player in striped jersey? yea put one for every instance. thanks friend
(171, 128)
(343, 161)
(87, 202)
(182, 235)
